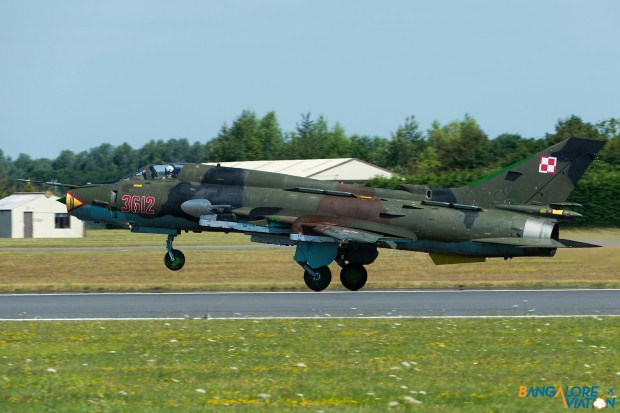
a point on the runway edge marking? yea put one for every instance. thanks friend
(209, 318)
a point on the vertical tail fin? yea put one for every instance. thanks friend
(541, 179)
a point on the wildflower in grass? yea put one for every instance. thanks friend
(393, 404)
(263, 396)
(51, 370)
(202, 391)
(300, 365)
(412, 400)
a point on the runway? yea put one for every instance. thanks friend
(366, 304)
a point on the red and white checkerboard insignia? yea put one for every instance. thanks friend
(547, 164)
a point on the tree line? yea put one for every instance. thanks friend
(450, 154)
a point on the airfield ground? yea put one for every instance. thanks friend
(136, 263)
(311, 365)
(426, 365)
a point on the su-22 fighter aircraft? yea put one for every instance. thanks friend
(512, 213)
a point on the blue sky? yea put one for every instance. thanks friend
(76, 74)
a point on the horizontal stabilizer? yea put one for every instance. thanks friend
(535, 242)
(569, 243)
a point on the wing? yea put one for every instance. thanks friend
(347, 234)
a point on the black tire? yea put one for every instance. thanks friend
(177, 263)
(321, 282)
(353, 276)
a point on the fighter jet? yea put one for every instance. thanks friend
(512, 213)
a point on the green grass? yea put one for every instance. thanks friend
(329, 365)
(267, 269)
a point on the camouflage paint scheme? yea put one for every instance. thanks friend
(514, 212)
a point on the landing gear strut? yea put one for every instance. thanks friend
(174, 259)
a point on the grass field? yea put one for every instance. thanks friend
(131, 268)
(426, 365)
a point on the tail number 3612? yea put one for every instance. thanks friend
(138, 204)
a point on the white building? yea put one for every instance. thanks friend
(349, 170)
(37, 215)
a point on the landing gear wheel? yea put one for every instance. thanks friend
(353, 276)
(320, 281)
(176, 263)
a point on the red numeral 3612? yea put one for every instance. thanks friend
(138, 204)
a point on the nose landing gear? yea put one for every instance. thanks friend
(174, 259)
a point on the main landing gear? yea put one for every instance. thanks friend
(315, 258)
(318, 279)
(353, 276)
(174, 259)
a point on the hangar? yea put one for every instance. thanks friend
(37, 215)
(348, 170)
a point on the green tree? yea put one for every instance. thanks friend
(248, 138)
(610, 129)
(197, 153)
(126, 159)
(406, 146)
(5, 165)
(573, 126)
(459, 144)
(314, 139)
(270, 137)
(370, 149)
(64, 166)
(507, 149)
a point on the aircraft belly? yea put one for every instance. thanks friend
(165, 221)
(94, 213)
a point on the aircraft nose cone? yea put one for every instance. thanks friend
(73, 202)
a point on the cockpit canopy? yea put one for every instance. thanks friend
(153, 172)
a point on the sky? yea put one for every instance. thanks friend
(77, 74)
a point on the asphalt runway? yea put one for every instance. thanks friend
(363, 304)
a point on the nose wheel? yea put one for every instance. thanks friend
(174, 259)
